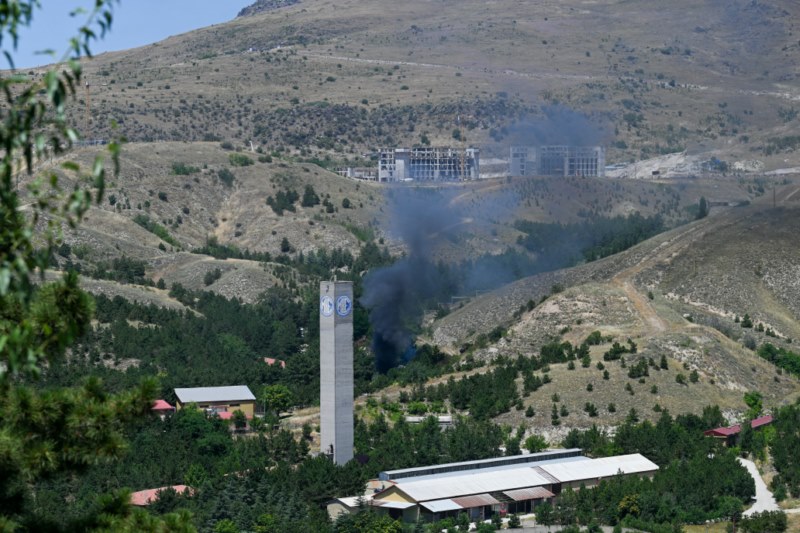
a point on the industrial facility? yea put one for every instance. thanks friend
(504, 485)
(557, 160)
(336, 369)
(426, 163)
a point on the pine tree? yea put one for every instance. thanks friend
(59, 431)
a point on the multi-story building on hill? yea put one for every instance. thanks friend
(557, 160)
(425, 163)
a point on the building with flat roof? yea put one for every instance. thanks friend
(505, 485)
(426, 163)
(219, 399)
(557, 160)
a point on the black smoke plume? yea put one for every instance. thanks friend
(396, 296)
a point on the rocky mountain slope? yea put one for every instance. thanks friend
(338, 80)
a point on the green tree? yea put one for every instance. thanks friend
(239, 419)
(535, 443)
(277, 398)
(545, 515)
(754, 402)
(702, 208)
(310, 197)
(59, 431)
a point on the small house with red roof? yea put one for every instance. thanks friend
(271, 362)
(731, 433)
(143, 498)
(162, 408)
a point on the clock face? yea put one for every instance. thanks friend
(344, 305)
(326, 306)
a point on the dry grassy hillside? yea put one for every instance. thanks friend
(193, 192)
(336, 79)
(677, 295)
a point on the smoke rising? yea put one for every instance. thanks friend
(426, 219)
(396, 296)
(558, 125)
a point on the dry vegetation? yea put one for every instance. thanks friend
(338, 79)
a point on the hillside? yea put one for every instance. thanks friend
(337, 80)
(681, 295)
(311, 87)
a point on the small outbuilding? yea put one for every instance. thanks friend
(162, 408)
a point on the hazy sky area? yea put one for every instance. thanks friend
(136, 23)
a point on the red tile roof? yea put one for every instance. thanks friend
(146, 497)
(734, 430)
(161, 405)
(270, 361)
(761, 421)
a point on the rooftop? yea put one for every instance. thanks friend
(161, 405)
(735, 429)
(469, 483)
(214, 394)
(146, 497)
(603, 467)
(492, 463)
(511, 478)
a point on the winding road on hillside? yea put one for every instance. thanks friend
(681, 239)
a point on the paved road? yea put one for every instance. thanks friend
(764, 499)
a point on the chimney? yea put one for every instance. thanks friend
(336, 369)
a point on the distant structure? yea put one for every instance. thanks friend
(336, 369)
(359, 173)
(424, 163)
(557, 160)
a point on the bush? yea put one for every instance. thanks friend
(535, 443)
(212, 276)
(226, 176)
(594, 338)
(155, 228)
(182, 169)
(239, 160)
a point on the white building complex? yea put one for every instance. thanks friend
(557, 161)
(425, 163)
(504, 485)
